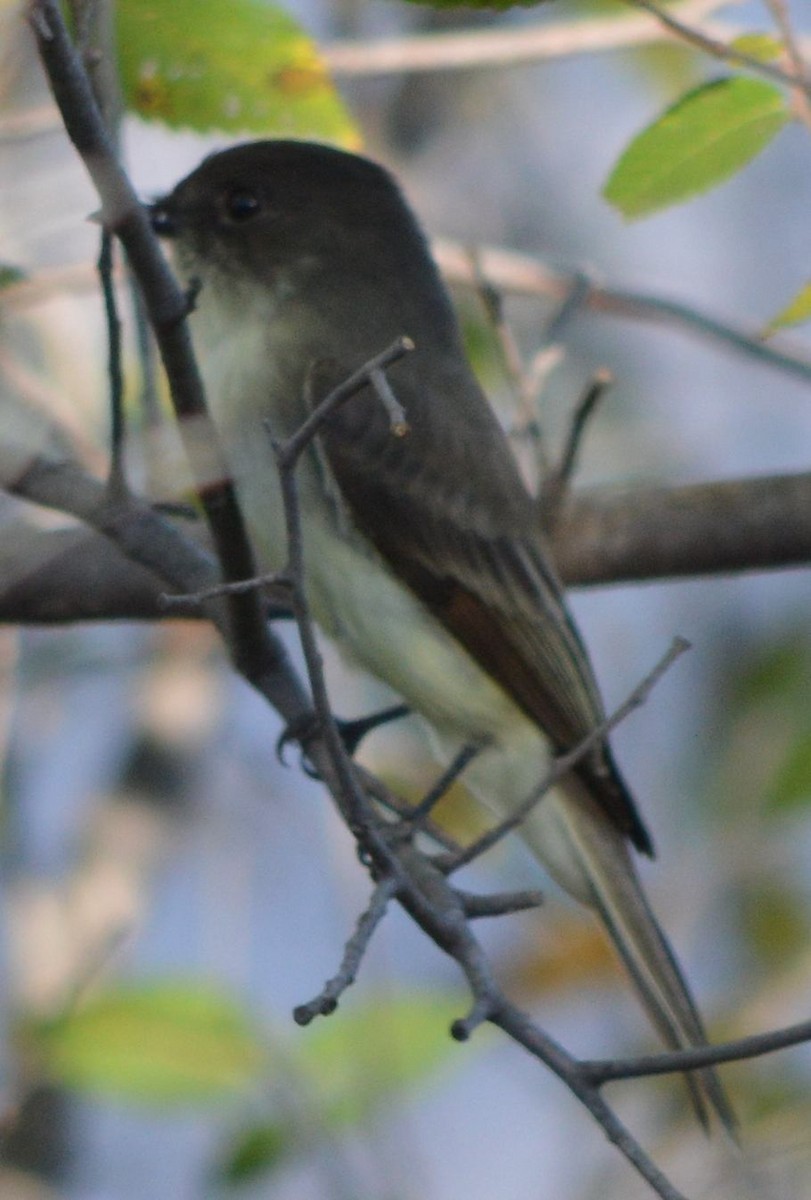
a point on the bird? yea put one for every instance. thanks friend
(423, 554)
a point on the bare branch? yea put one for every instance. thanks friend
(260, 657)
(442, 785)
(602, 1071)
(556, 485)
(526, 276)
(295, 446)
(503, 46)
(791, 42)
(717, 48)
(644, 533)
(327, 1000)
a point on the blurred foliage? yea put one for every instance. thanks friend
(766, 772)
(770, 694)
(776, 920)
(256, 1151)
(245, 66)
(162, 1043)
(568, 950)
(344, 1070)
(372, 1049)
(10, 274)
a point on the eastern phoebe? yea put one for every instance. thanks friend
(424, 559)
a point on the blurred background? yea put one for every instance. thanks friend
(171, 891)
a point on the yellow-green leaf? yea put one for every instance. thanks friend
(761, 46)
(705, 137)
(795, 312)
(232, 65)
(168, 1043)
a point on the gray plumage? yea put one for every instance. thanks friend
(423, 554)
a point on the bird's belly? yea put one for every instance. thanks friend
(382, 626)
(375, 620)
(353, 596)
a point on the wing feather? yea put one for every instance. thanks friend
(475, 558)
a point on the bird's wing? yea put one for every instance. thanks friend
(474, 557)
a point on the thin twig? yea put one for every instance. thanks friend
(601, 1071)
(791, 42)
(295, 445)
(567, 762)
(499, 904)
(526, 384)
(398, 423)
(492, 301)
(521, 1029)
(236, 587)
(526, 276)
(693, 36)
(326, 1001)
(557, 484)
(440, 788)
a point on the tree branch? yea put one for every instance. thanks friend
(641, 534)
(523, 275)
(503, 46)
(599, 538)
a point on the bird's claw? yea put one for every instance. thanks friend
(351, 733)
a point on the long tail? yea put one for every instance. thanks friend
(600, 872)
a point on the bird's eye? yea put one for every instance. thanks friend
(241, 204)
(162, 221)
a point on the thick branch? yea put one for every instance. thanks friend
(58, 576)
(599, 538)
(699, 529)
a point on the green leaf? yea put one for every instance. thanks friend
(796, 311)
(240, 66)
(761, 46)
(366, 1051)
(256, 1152)
(169, 1043)
(704, 138)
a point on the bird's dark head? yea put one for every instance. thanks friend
(307, 234)
(260, 205)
